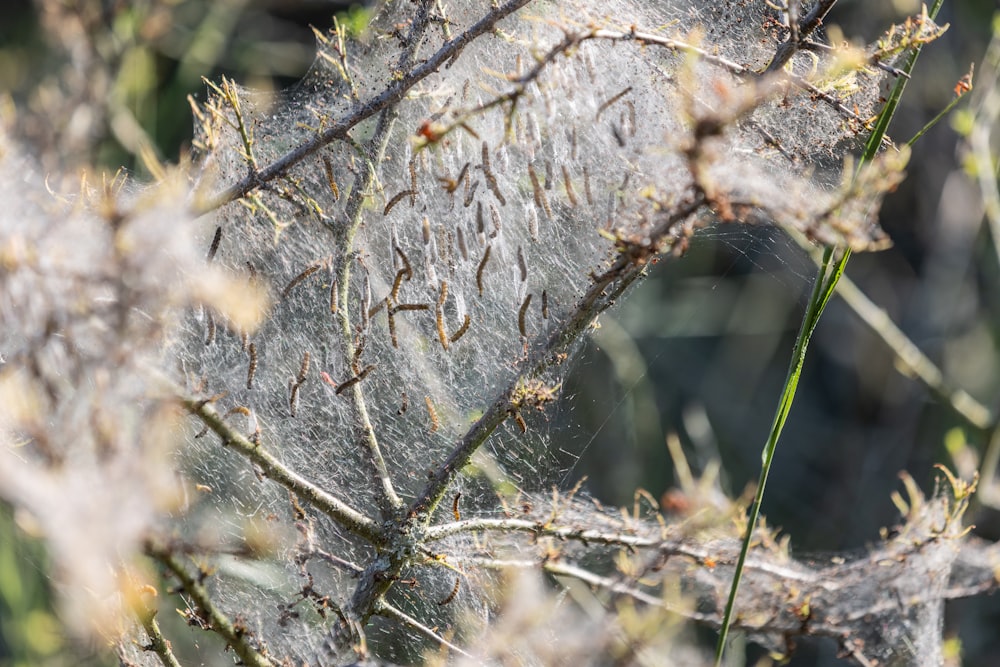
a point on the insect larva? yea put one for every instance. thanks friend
(427, 231)
(480, 220)
(548, 174)
(210, 336)
(541, 201)
(293, 399)
(202, 433)
(491, 180)
(413, 181)
(298, 279)
(406, 404)
(461, 330)
(377, 308)
(572, 143)
(545, 304)
(238, 410)
(396, 199)
(354, 380)
(304, 369)
(406, 262)
(495, 216)
(244, 341)
(359, 350)
(439, 314)
(435, 424)
(391, 318)
(454, 507)
(252, 369)
(520, 422)
(521, 264)
(328, 168)
(460, 240)
(411, 306)
(617, 133)
(214, 248)
(570, 193)
(461, 175)
(586, 185)
(482, 267)
(470, 194)
(533, 223)
(454, 592)
(521, 316)
(396, 284)
(334, 296)
(604, 107)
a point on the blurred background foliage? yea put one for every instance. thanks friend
(701, 349)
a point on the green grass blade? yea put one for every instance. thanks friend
(826, 283)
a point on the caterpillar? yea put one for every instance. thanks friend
(439, 314)
(461, 330)
(252, 369)
(435, 423)
(304, 369)
(570, 193)
(521, 327)
(481, 269)
(354, 380)
(396, 199)
(298, 279)
(541, 201)
(604, 107)
(454, 592)
(214, 248)
(328, 169)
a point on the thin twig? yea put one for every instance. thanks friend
(387, 610)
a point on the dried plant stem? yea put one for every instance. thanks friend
(391, 95)
(388, 611)
(339, 511)
(216, 620)
(584, 535)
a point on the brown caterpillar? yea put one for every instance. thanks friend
(354, 380)
(406, 262)
(334, 296)
(298, 279)
(454, 507)
(520, 421)
(541, 201)
(548, 174)
(390, 316)
(410, 306)
(533, 223)
(454, 592)
(461, 330)
(491, 180)
(406, 404)
(210, 322)
(293, 399)
(586, 186)
(521, 264)
(460, 241)
(604, 107)
(497, 223)
(396, 199)
(545, 304)
(214, 248)
(470, 193)
(435, 424)
(252, 369)
(413, 181)
(481, 269)
(521, 316)
(570, 193)
(328, 169)
(304, 369)
(439, 314)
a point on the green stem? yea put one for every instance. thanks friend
(826, 283)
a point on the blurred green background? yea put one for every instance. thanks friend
(701, 349)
